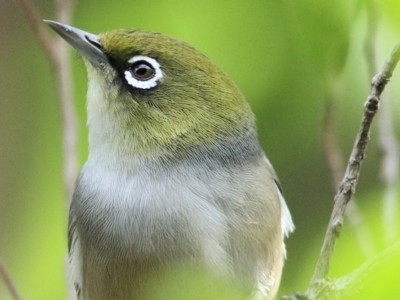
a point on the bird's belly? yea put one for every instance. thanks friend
(162, 220)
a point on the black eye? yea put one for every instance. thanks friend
(142, 70)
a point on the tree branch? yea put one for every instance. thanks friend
(60, 62)
(9, 282)
(335, 162)
(66, 90)
(387, 138)
(349, 182)
(57, 51)
(35, 23)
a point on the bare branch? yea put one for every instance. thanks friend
(57, 52)
(64, 10)
(387, 139)
(61, 65)
(35, 23)
(65, 88)
(335, 162)
(349, 182)
(9, 282)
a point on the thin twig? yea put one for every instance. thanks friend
(349, 182)
(36, 24)
(66, 90)
(61, 66)
(387, 139)
(9, 282)
(57, 51)
(64, 10)
(335, 162)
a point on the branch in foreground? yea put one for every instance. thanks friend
(9, 282)
(349, 182)
(35, 23)
(59, 59)
(335, 162)
(316, 287)
(66, 91)
(387, 138)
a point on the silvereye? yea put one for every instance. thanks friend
(175, 175)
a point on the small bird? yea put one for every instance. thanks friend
(175, 174)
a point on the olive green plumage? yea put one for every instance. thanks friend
(175, 179)
(196, 105)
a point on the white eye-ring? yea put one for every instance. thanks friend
(144, 72)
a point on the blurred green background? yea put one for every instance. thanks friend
(282, 54)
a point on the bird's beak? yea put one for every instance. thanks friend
(85, 43)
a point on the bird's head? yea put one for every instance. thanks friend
(151, 95)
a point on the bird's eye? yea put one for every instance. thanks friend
(143, 72)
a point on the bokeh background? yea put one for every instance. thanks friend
(286, 56)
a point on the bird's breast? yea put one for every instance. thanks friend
(165, 216)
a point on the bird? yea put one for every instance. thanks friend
(175, 174)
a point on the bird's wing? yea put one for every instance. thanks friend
(269, 272)
(74, 257)
(286, 218)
